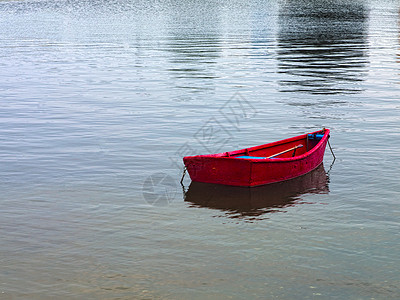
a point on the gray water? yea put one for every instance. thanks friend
(100, 100)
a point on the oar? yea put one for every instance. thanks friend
(294, 148)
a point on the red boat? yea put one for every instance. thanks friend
(259, 165)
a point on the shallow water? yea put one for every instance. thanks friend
(100, 100)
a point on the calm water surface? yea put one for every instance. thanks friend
(101, 99)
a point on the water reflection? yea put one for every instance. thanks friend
(322, 46)
(253, 203)
(192, 55)
(398, 37)
(193, 44)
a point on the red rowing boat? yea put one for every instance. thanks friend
(268, 163)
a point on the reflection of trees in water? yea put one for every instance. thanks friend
(253, 203)
(322, 46)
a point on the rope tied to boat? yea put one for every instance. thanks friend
(330, 147)
(184, 189)
(183, 175)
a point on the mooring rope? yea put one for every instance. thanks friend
(334, 157)
(183, 175)
(183, 186)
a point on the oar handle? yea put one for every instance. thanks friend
(293, 148)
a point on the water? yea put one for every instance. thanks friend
(101, 99)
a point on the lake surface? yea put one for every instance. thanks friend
(100, 100)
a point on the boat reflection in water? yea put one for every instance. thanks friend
(253, 203)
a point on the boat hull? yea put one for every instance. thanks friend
(230, 169)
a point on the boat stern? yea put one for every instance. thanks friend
(219, 170)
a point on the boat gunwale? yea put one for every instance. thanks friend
(223, 156)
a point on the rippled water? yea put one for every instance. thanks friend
(100, 100)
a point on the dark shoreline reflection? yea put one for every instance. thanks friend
(252, 203)
(322, 46)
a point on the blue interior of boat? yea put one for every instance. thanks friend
(317, 137)
(251, 157)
